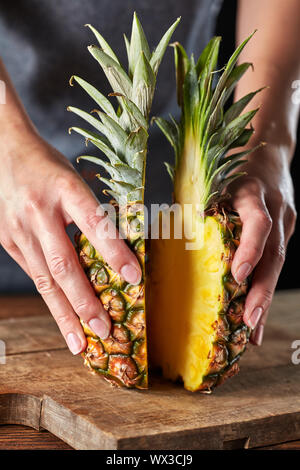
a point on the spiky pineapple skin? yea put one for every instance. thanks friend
(122, 357)
(231, 335)
(231, 340)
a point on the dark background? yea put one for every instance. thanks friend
(289, 277)
(226, 28)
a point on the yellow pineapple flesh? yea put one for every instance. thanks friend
(190, 332)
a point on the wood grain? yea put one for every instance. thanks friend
(43, 386)
(12, 306)
(13, 437)
(37, 333)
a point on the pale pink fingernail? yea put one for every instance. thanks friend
(74, 343)
(258, 337)
(100, 327)
(255, 317)
(130, 274)
(243, 271)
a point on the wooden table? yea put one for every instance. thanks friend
(267, 364)
(18, 437)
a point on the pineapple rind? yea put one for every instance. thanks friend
(119, 317)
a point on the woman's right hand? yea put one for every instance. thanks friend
(40, 194)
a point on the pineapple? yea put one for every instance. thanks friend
(121, 134)
(196, 330)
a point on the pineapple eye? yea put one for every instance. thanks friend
(140, 354)
(114, 303)
(120, 333)
(219, 358)
(98, 274)
(238, 342)
(102, 276)
(134, 291)
(139, 247)
(134, 295)
(119, 341)
(124, 368)
(236, 312)
(135, 323)
(135, 227)
(139, 347)
(88, 249)
(95, 354)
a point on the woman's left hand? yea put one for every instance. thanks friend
(264, 199)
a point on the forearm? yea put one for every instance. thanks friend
(13, 117)
(276, 61)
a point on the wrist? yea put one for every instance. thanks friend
(277, 119)
(275, 134)
(17, 132)
(15, 122)
(270, 164)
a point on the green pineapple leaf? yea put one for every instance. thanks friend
(123, 133)
(143, 85)
(88, 118)
(103, 44)
(206, 131)
(100, 99)
(181, 66)
(117, 77)
(160, 49)
(138, 43)
(237, 107)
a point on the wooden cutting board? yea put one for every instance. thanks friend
(43, 386)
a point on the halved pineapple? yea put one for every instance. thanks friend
(197, 332)
(194, 321)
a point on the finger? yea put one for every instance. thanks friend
(256, 228)
(257, 335)
(265, 278)
(83, 208)
(55, 299)
(65, 269)
(288, 223)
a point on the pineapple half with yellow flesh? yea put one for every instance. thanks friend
(196, 329)
(122, 136)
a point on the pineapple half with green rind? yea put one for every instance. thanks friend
(122, 136)
(197, 333)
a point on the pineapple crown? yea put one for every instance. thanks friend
(122, 134)
(206, 132)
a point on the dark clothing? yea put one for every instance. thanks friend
(43, 43)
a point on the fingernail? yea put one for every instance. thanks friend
(255, 317)
(243, 271)
(74, 343)
(258, 337)
(99, 327)
(130, 274)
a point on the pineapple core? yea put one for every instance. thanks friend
(186, 296)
